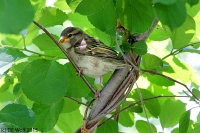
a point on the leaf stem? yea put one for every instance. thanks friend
(40, 54)
(178, 50)
(133, 104)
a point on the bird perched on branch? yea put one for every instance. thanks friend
(93, 58)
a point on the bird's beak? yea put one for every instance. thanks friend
(63, 39)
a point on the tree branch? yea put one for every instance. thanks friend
(98, 110)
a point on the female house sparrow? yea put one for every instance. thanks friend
(94, 58)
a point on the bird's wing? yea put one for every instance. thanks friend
(92, 47)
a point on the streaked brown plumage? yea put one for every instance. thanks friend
(92, 56)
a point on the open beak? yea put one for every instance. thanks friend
(63, 39)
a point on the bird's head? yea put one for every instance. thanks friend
(70, 36)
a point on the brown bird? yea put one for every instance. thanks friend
(93, 58)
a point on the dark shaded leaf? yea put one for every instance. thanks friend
(172, 15)
(47, 115)
(44, 81)
(135, 15)
(15, 15)
(18, 115)
(184, 122)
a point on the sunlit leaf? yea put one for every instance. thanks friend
(171, 112)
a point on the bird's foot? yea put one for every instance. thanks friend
(84, 129)
(80, 70)
(97, 94)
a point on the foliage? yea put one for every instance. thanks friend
(39, 88)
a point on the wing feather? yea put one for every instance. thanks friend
(95, 48)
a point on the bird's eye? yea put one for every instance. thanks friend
(69, 35)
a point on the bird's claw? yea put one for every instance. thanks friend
(84, 129)
(97, 94)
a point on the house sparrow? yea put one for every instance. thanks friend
(93, 58)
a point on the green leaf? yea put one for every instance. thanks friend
(193, 11)
(192, 2)
(134, 108)
(18, 115)
(70, 122)
(143, 127)
(13, 40)
(183, 34)
(44, 81)
(126, 47)
(152, 105)
(184, 122)
(73, 4)
(17, 69)
(195, 130)
(109, 127)
(7, 82)
(61, 4)
(7, 57)
(47, 115)
(76, 90)
(140, 48)
(47, 45)
(196, 93)
(158, 35)
(15, 15)
(88, 7)
(159, 80)
(171, 111)
(172, 15)
(151, 62)
(198, 118)
(50, 16)
(135, 15)
(191, 51)
(38, 4)
(105, 18)
(164, 2)
(16, 88)
(176, 130)
(7, 96)
(70, 105)
(126, 118)
(75, 18)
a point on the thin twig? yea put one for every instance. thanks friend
(79, 102)
(133, 104)
(88, 106)
(39, 54)
(143, 106)
(178, 50)
(169, 78)
(68, 56)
